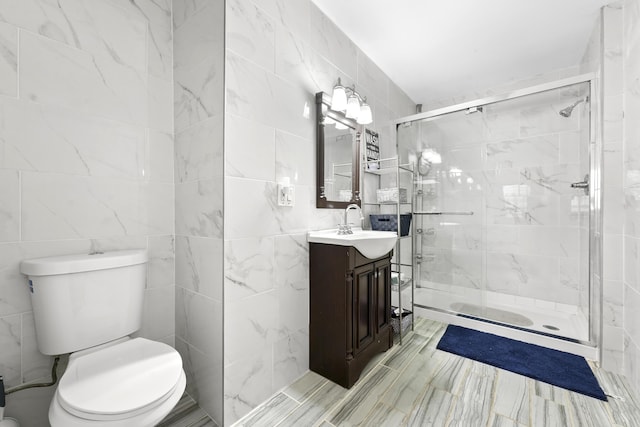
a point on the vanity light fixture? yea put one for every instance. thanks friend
(352, 103)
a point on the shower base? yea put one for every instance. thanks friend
(561, 320)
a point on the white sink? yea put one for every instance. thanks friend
(372, 244)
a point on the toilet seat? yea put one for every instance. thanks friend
(120, 381)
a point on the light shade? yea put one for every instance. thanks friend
(365, 117)
(339, 98)
(353, 107)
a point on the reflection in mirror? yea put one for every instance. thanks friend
(337, 163)
(338, 166)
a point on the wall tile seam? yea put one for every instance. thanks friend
(191, 345)
(193, 125)
(83, 114)
(198, 294)
(141, 71)
(196, 180)
(142, 180)
(283, 78)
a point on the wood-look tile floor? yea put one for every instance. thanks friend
(187, 413)
(417, 385)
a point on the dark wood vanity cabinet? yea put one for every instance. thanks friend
(350, 311)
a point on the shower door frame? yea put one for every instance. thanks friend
(592, 348)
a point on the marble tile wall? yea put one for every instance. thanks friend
(198, 51)
(631, 183)
(278, 55)
(612, 187)
(86, 159)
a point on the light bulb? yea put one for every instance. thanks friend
(365, 116)
(339, 98)
(353, 107)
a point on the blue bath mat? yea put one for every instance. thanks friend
(540, 363)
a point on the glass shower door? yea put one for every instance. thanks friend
(502, 211)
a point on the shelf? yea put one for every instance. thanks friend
(391, 169)
(405, 285)
(386, 204)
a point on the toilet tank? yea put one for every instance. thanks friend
(80, 301)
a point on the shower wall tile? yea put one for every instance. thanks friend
(252, 33)
(534, 151)
(613, 121)
(613, 304)
(8, 60)
(199, 262)
(9, 206)
(612, 257)
(75, 79)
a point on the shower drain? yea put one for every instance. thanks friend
(551, 327)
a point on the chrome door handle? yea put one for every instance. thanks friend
(582, 184)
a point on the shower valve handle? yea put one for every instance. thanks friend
(583, 184)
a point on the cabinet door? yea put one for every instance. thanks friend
(364, 312)
(382, 278)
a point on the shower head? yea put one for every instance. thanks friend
(566, 112)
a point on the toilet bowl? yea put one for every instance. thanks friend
(127, 383)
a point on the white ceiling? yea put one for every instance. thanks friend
(438, 49)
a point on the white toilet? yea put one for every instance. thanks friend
(87, 305)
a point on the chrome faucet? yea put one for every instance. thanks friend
(346, 227)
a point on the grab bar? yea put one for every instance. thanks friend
(443, 213)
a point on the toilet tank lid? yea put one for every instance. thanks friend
(78, 263)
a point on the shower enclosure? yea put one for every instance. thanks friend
(507, 213)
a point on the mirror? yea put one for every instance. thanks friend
(338, 151)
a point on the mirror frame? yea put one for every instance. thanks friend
(323, 108)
